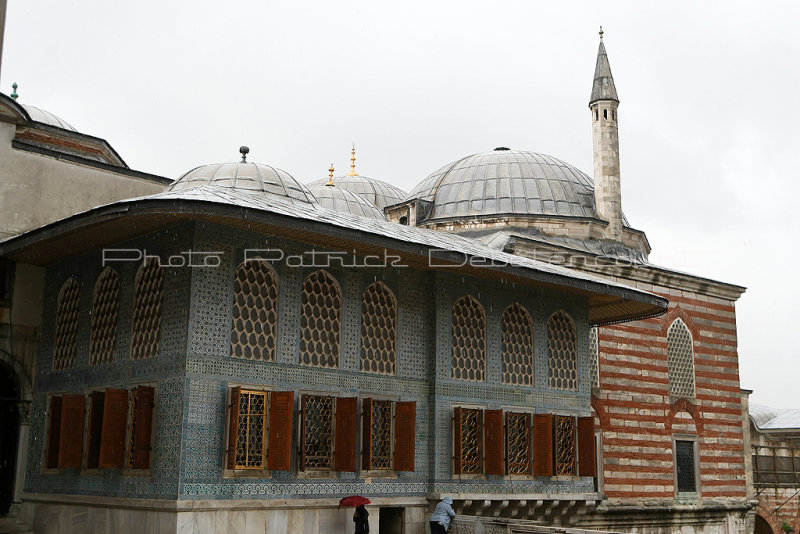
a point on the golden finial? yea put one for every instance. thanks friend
(330, 175)
(601, 33)
(353, 162)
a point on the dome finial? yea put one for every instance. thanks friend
(330, 176)
(601, 33)
(243, 150)
(353, 162)
(14, 94)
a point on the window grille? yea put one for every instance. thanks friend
(517, 346)
(469, 340)
(518, 441)
(680, 360)
(132, 426)
(255, 311)
(684, 465)
(318, 432)
(471, 434)
(594, 354)
(562, 354)
(776, 466)
(381, 435)
(250, 437)
(320, 321)
(378, 330)
(565, 445)
(66, 325)
(105, 310)
(147, 302)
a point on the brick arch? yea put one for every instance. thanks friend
(769, 517)
(678, 313)
(598, 408)
(681, 405)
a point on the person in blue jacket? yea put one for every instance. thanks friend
(440, 520)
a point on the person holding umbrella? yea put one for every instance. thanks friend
(440, 520)
(360, 518)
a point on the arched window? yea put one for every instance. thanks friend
(320, 321)
(594, 355)
(105, 310)
(562, 353)
(66, 325)
(469, 340)
(680, 360)
(517, 346)
(147, 301)
(378, 330)
(254, 332)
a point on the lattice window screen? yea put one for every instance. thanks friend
(105, 310)
(594, 355)
(680, 360)
(565, 445)
(562, 353)
(66, 325)
(250, 437)
(517, 346)
(471, 438)
(378, 330)
(132, 428)
(147, 304)
(318, 432)
(381, 435)
(320, 321)
(518, 443)
(684, 465)
(469, 340)
(255, 311)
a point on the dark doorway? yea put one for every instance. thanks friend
(9, 423)
(391, 520)
(762, 527)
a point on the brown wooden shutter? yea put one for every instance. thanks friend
(96, 399)
(405, 434)
(457, 440)
(281, 409)
(302, 445)
(543, 445)
(493, 442)
(344, 454)
(586, 452)
(54, 432)
(145, 396)
(115, 415)
(233, 426)
(366, 434)
(70, 445)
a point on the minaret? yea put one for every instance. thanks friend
(603, 105)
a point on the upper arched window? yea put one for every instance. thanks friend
(66, 325)
(562, 352)
(517, 346)
(469, 340)
(254, 332)
(680, 360)
(378, 330)
(105, 310)
(320, 320)
(147, 302)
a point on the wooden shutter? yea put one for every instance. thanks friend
(543, 445)
(302, 444)
(96, 399)
(366, 434)
(115, 415)
(233, 426)
(145, 396)
(405, 434)
(281, 409)
(493, 442)
(586, 452)
(344, 453)
(457, 440)
(70, 445)
(54, 432)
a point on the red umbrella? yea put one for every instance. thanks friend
(353, 500)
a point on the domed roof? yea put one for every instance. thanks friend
(507, 182)
(338, 199)
(45, 117)
(255, 178)
(377, 192)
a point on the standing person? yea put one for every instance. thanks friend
(360, 518)
(440, 520)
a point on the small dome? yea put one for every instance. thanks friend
(253, 178)
(377, 192)
(45, 117)
(342, 200)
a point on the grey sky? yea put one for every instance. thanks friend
(709, 139)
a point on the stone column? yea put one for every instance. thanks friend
(24, 408)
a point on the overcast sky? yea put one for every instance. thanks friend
(709, 113)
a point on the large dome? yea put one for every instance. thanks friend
(253, 178)
(376, 191)
(507, 182)
(45, 117)
(342, 200)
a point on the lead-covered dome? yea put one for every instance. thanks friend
(253, 178)
(377, 192)
(507, 182)
(45, 117)
(342, 200)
